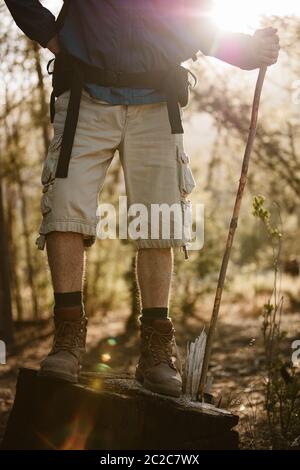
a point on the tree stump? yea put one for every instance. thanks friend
(106, 412)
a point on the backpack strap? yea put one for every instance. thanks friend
(62, 15)
(59, 24)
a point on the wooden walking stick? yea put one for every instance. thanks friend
(232, 229)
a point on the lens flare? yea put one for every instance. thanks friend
(112, 342)
(105, 357)
(102, 368)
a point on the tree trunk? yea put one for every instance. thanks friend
(131, 323)
(28, 254)
(111, 412)
(15, 281)
(6, 321)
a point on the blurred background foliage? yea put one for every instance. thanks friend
(216, 121)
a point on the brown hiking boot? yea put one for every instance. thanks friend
(63, 361)
(159, 367)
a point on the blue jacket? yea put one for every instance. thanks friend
(130, 35)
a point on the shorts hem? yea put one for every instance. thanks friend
(79, 226)
(141, 244)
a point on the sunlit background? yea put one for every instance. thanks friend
(244, 16)
(236, 15)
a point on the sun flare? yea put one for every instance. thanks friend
(245, 16)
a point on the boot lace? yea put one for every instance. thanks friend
(69, 335)
(159, 345)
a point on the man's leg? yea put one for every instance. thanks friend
(154, 273)
(155, 169)
(158, 369)
(69, 208)
(66, 261)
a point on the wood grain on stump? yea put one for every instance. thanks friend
(107, 412)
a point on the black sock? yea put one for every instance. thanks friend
(68, 299)
(154, 313)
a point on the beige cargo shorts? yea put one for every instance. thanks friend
(156, 170)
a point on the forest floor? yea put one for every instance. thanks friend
(237, 363)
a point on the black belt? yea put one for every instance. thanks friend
(71, 74)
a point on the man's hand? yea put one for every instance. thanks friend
(53, 45)
(245, 51)
(265, 47)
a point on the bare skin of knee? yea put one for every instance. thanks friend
(154, 274)
(66, 260)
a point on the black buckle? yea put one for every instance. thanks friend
(49, 70)
(112, 78)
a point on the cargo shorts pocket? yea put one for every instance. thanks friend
(186, 179)
(187, 221)
(186, 186)
(46, 201)
(48, 174)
